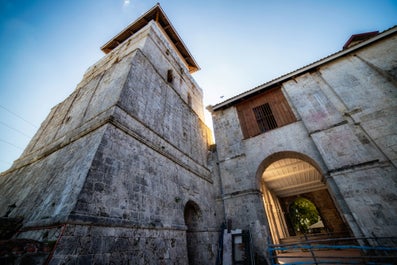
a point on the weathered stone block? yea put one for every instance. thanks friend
(312, 103)
(370, 194)
(345, 146)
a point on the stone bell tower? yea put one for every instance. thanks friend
(120, 171)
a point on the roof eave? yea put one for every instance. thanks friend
(304, 69)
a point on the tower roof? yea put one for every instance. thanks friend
(157, 14)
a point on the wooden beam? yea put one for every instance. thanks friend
(295, 172)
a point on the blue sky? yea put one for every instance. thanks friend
(46, 46)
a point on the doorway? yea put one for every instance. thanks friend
(192, 216)
(296, 198)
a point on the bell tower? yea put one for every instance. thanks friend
(112, 169)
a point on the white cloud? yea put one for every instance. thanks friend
(126, 2)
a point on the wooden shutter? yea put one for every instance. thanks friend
(264, 112)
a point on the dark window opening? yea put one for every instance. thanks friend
(170, 76)
(189, 100)
(264, 117)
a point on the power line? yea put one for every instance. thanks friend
(16, 115)
(6, 125)
(1, 140)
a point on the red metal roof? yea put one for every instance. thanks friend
(357, 38)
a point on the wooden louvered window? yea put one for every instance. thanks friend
(264, 112)
(264, 118)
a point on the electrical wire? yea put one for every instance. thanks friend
(16, 115)
(18, 147)
(6, 125)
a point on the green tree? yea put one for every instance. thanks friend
(303, 213)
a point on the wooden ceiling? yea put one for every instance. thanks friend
(288, 177)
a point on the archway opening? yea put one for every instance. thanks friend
(294, 189)
(192, 215)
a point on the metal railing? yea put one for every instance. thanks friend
(346, 250)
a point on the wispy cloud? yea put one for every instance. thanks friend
(127, 2)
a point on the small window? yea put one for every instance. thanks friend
(189, 100)
(264, 118)
(170, 76)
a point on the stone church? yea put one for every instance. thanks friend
(125, 171)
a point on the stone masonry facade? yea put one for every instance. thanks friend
(125, 171)
(115, 167)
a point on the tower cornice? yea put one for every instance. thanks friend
(157, 14)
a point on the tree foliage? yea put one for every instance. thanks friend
(303, 213)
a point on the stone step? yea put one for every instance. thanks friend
(339, 238)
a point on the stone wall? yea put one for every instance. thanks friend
(104, 245)
(347, 112)
(132, 182)
(89, 244)
(45, 190)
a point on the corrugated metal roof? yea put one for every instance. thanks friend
(283, 78)
(157, 14)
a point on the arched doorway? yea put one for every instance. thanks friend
(192, 216)
(287, 179)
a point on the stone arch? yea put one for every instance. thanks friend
(284, 176)
(192, 215)
(281, 155)
(193, 218)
